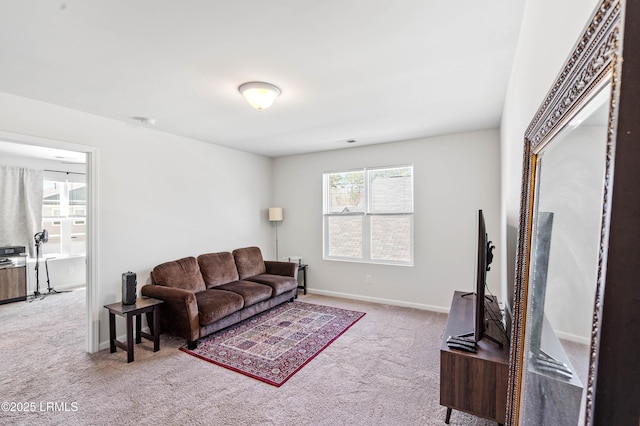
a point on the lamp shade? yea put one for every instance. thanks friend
(276, 214)
(260, 95)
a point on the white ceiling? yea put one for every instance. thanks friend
(371, 70)
(42, 153)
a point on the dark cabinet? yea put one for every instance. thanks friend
(13, 280)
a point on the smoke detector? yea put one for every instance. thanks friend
(146, 120)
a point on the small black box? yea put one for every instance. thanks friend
(12, 250)
(129, 282)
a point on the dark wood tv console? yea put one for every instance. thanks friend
(475, 383)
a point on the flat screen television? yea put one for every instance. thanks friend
(483, 261)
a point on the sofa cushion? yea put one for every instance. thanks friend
(279, 283)
(217, 268)
(216, 304)
(251, 292)
(182, 273)
(249, 262)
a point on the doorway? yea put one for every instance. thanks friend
(35, 147)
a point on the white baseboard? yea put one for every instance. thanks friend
(123, 338)
(380, 300)
(573, 338)
(68, 286)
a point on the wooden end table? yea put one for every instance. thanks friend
(303, 268)
(142, 305)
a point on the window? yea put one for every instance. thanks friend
(368, 215)
(64, 207)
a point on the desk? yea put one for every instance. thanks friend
(142, 305)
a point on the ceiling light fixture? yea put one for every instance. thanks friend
(260, 95)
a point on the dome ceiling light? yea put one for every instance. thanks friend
(260, 95)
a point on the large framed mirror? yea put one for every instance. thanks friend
(569, 287)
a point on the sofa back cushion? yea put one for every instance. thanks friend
(182, 273)
(249, 262)
(217, 268)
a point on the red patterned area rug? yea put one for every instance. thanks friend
(273, 346)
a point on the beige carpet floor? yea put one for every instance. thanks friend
(383, 371)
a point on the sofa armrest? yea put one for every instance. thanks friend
(181, 303)
(287, 269)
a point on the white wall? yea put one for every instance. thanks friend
(64, 273)
(454, 175)
(550, 29)
(161, 196)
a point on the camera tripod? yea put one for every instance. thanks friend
(43, 237)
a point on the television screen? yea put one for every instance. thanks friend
(481, 275)
(484, 252)
(484, 258)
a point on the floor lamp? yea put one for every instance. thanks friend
(276, 214)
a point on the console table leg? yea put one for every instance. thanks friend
(129, 338)
(138, 328)
(112, 332)
(156, 331)
(305, 279)
(448, 417)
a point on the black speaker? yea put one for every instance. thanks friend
(129, 282)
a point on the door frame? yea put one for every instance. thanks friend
(93, 305)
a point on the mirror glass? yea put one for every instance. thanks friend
(566, 221)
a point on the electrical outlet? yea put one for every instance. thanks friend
(368, 279)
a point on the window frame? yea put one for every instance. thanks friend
(64, 216)
(366, 215)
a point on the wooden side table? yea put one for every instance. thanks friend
(142, 305)
(303, 268)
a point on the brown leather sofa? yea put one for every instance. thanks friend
(205, 294)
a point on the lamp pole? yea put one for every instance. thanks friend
(277, 257)
(276, 214)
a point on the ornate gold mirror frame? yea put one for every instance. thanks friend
(592, 70)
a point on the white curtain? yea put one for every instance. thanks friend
(20, 206)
